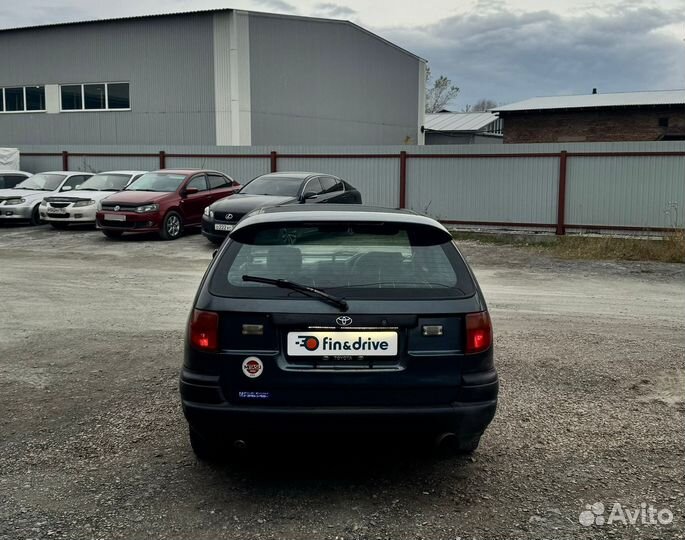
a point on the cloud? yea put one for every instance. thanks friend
(17, 15)
(334, 10)
(278, 5)
(497, 53)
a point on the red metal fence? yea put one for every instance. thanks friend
(560, 226)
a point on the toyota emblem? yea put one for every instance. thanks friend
(344, 320)
(229, 216)
(117, 208)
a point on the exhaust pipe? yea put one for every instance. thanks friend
(446, 441)
(240, 444)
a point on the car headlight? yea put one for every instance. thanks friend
(14, 202)
(147, 208)
(43, 203)
(88, 202)
(208, 212)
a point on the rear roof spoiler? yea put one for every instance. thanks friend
(429, 230)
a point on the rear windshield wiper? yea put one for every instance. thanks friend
(310, 291)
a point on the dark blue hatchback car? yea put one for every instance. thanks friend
(346, 319)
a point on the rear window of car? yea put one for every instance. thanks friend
(350, 260)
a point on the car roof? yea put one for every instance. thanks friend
(65, 172)
(121, 172)
(295, 174)
(187, 171)
(335, 212)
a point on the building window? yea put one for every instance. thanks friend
(72, 98)
(22, 99)
(35, 98)
(14, 99)
(95, 97)
(117, 96)
(663, 122)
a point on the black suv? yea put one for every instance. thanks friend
(343, 319)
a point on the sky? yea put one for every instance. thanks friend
(501, 50)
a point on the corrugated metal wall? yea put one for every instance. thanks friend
(625, 191)
(168, 62)
(617, 190)
(278, 80)
(335, 84)
(484, 189)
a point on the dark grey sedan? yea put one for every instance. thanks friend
(275, 189)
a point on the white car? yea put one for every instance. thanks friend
(9, 179)
(80, 205)
(22, 202)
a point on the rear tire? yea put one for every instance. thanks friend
(60, 226)
(205, 449)
(35, 216)
(172, 226)
(114, 235)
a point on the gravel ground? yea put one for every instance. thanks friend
(93, 443)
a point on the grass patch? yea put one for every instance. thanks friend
(669, 248)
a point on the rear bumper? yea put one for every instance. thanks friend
(208, 412)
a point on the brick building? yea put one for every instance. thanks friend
(628, 116)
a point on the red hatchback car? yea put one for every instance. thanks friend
(164, 201)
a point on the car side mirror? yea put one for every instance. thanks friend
(309, 195)
(190, 191)
(66, 188)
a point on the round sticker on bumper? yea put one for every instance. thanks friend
(252, 367)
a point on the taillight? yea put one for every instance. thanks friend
(478, 332)
(204, 330)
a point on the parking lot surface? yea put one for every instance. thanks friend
(93, 443)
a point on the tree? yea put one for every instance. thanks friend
(481, 105)
(439, 92)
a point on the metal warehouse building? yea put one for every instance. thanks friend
(221, 77)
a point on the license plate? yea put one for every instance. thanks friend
(115, 217)
(56, 211)
(223, 227)
(307, 343)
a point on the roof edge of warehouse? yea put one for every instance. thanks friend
(643, 98)
(219, 10)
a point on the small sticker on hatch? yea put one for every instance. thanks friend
(254, 395)
(252, 367)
